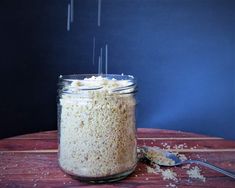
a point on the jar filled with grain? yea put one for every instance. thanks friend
(96, 126)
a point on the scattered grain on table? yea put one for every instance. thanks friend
(151, 170)
(195, 173)
(171, 185)
(169, 174)
(187, 166)
(180, 146)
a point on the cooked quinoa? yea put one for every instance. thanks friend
(97, 128)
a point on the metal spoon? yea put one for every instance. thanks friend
(176, 161)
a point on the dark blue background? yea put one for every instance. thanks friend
(182, 53)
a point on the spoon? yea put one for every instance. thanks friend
(166, 158)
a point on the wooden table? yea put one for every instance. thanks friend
(31, 161)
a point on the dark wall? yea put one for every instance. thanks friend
(182, 53)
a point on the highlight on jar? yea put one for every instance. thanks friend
(97, 128)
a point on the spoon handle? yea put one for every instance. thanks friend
(225, 172)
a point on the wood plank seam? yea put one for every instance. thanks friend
(172, 150)
(140, 138)
(171, 138)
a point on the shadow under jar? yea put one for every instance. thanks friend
(96, 126)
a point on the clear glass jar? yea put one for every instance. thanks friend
(96, 126)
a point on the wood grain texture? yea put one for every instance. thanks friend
(31, 161)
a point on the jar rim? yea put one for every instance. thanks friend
(72, 77)
(109, 76)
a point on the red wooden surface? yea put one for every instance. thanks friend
(31, 161)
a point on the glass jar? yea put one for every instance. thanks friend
(96, 126)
